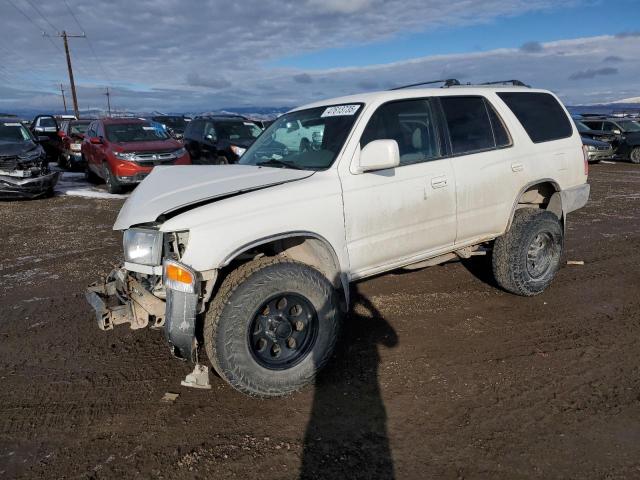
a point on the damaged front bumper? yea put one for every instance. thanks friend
(122, 298)
(14, 187)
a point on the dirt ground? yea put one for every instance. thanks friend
(440, 374)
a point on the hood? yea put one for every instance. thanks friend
(11, 149)
(595, 143)
(168, 189)
(152, 146)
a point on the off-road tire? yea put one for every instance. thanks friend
(112, 183)
(634, 156)
(228, 320)
(509, 257)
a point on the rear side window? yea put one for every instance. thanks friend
(540, 114)
(469, 124)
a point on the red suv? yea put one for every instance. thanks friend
(122, 151)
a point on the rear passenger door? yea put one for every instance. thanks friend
(485, 170)
(400, 214)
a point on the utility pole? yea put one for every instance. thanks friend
(108, 101)
(65, 36)
(64, 101)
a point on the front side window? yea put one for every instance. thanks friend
(236, 130)
(307, 139)
(469, 124)
(542, 117)
(134, 132)
(411, 124)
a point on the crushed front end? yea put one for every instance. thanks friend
(153, 288)
(26, 176)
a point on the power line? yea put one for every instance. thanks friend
(34, 24)
(43, 17)
(93, 52)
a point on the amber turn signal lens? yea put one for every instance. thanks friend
(177, 274)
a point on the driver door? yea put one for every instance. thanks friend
(401, 214)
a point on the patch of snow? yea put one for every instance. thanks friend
(92, 193)
(74, 184)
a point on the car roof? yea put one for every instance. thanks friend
(401, 94)
(123, 121)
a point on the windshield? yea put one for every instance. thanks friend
(630, 126)
(135, 132)
(235, 130)
(307, 139)
(79, 128)
(174, 123)
(581, 126)
(13, 132)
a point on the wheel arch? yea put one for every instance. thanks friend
(543, 193)
(304, 246)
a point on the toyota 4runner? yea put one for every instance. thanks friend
(253, 261)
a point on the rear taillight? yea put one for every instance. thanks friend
(585, 154)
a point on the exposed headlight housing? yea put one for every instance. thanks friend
(239, 151)
(142, 246)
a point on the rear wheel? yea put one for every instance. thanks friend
(272, 326)
(635, 155)
(526, 259)
(113, 185)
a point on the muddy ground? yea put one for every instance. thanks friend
(440, 375)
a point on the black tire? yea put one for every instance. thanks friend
(62, 162)
(634, 156)
(112, 183)
(90, 176)
(526, 259)
(229, 325)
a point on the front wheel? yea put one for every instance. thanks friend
(526, 259)
(272, 326)
(113, 185)
(635, 155)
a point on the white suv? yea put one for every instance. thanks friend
(254, 260)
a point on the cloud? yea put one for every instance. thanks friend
(304, 78)
(629, 34)
(532, 47)
(214, 82)
(592, 73)
(612, 59)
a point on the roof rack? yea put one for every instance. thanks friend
(515, 83)
(449, 82)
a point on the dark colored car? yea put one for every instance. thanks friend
(24, 171)
(48, 126)
(586, 131)
(597, 150)
(174, 123)
(72, 133)
(626, 134)
(123, 151)
(219, 140)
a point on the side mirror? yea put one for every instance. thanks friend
(96, 140)
(616, 131)
(378, 155)
(211, 138)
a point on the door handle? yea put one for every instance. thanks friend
(517, 167)
(439, 182)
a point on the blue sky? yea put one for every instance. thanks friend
(200, 55)
(561, 23)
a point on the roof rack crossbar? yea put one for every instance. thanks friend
(515, 83)
(449, 82)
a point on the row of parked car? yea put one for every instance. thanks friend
(121, 152)
(610, 137)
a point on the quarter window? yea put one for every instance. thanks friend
(540, 114)
(411, 124)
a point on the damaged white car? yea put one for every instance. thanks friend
(253, 261)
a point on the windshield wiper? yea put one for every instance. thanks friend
(279, 163)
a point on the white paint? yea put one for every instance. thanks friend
(373, 221)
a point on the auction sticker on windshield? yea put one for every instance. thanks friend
(340, 110)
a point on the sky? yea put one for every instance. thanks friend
(201, 55)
